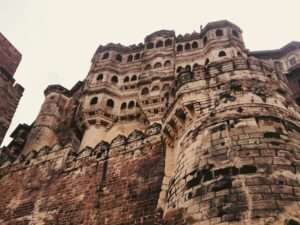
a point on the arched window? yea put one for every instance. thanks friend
(159, 44)
(155, 88)
(195, 66)
(292, 60)
(99, 77)
(114, 79)
(166, 96)
(123, 106)
(239, 54)
(187, 46)
(167, 63)
(131, 104)
(206, 62)
(204, 41)
(179, 68)
(129, 59)
(219, 33)
(94, 101)
(110, 103)
(150, 45)
(222, 54)
(195, 44)
(119, 58)
(148, 67)
(137, 56)
(133, 78)
(126, 79)
(157, 65)
(168, 42)
(166, 87)
(179, 48)
(145, 91)
(292, 222)
(235, 33)
(105, 56)
(187, 68)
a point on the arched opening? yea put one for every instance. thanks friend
(239, 54)
(219, 33)
(94, 101)
(134, 78)
(195, 66)
(155, 88)
(150, 45)
(222, 54)
(157, 65)
(126, 79)
(159, 44)
(195, 44)
(123, 105)
(166, 87)
(168, 42)
(206, 62)
(167, 63)
(114, 79)
(105, 55)
(99, 77)
(137, 56)
(166, 98)
(145, 91)
(204, 41)
(235, 34)
(187, 46)
(179, 68)
(110, 103)
(179, 48)
(148, 67)
(187, 68)
(292, 222)
(131, 104)
(130, 58)
(119, 58)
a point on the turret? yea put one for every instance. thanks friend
(51, 117)
(222, 135)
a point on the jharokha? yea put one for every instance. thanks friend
(188, 129)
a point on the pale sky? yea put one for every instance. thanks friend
(57, 38)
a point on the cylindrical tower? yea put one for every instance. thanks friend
(233, 145)
(52, 114)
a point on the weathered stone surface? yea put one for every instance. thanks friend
(10, 92)
(186, 130)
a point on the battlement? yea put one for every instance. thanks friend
(180, 129)
(70, 157)
(168, 39)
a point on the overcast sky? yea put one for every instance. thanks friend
(57, 38)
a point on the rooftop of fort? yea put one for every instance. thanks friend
(166, 34)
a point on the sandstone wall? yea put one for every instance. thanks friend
(110, 184)
(235, 136)
(10, 93)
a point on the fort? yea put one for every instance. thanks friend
(190, 129)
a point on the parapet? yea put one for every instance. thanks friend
(276, 53)
(57, 89)
(10, 57)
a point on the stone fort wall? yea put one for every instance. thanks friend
(187, 129)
